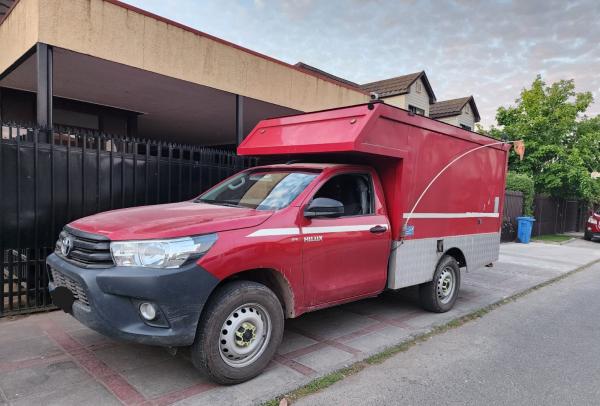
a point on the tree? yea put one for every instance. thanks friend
(562, 145)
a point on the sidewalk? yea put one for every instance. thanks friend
(53, 359)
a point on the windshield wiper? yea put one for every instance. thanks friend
(218, 202)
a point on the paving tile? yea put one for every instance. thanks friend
(372, 343)
(329, 323)
(19, 329)
(167, 376)
(269, 384)
(23, 349)
(396, 334)
(90, 393)
(42, 379)
(293, 341)
(124, 357)
(88, 337)
(324, 359)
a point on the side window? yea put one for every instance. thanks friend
(354, 191)
(416, 110)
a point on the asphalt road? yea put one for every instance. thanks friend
(543, 349)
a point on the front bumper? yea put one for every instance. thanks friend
(108, 300)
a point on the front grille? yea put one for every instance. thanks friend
(87, 250)
(78, 292)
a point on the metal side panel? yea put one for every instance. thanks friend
(413, 261)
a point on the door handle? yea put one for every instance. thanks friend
(378, 229)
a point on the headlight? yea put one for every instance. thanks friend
(161, 253)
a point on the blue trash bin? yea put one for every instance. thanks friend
(524, 227)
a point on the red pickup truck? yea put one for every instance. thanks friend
(390, 200)
(592, 227)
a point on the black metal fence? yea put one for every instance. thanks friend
(49, 178)
(555, 216)
(513, 208)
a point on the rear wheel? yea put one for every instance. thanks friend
(239, 332)
(440, 294)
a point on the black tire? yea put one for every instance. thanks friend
(587, 235)
(237, 297)
(434, 296)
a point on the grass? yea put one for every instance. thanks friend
(324, 382)
(552, 238)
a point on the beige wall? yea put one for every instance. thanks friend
(465, 118)
(105, 30)
(398, 101)
(18, 32)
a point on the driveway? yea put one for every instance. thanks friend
(53, 359)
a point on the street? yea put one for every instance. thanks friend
(542, 349)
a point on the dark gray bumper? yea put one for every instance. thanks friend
(115, 293)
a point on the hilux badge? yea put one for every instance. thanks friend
(313, 238)
(66, 246)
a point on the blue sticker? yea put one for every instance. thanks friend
(409, 230)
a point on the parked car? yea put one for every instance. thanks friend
(384, 209)
(592, 227)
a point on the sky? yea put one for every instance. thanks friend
(490, 49)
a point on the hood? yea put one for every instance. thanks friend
(169, 221)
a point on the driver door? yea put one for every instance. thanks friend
(347, 256)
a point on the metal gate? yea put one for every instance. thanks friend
(49, 178)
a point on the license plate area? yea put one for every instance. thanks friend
(63, 298)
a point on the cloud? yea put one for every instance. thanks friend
(491, 49)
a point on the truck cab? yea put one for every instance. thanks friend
(222, 271)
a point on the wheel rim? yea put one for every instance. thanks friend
(446, 284)
(245, 335)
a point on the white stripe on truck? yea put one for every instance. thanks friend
(448, 215)
(266, 232)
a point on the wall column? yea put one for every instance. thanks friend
(44, 85)
(239, 118)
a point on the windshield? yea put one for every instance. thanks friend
(260, 189)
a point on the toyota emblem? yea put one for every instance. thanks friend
(66, 246)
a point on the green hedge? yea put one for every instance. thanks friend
(522, 183)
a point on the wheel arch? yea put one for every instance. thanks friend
(458, 255)
(272, 279)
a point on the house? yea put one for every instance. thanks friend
(460, 112)
(411, 92)
(106, 66)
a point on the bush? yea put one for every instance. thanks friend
(523, 183)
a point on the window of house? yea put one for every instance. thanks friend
(354, 191)
(418, 87)
(416, 110)
(465, 127)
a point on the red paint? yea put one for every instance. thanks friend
(169, 221)
(407, 151)
(594, 226)
(401, 153)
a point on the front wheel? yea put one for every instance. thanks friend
(440, 294)
(587, 235)
(239, 332)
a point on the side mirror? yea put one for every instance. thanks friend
(324, 207)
